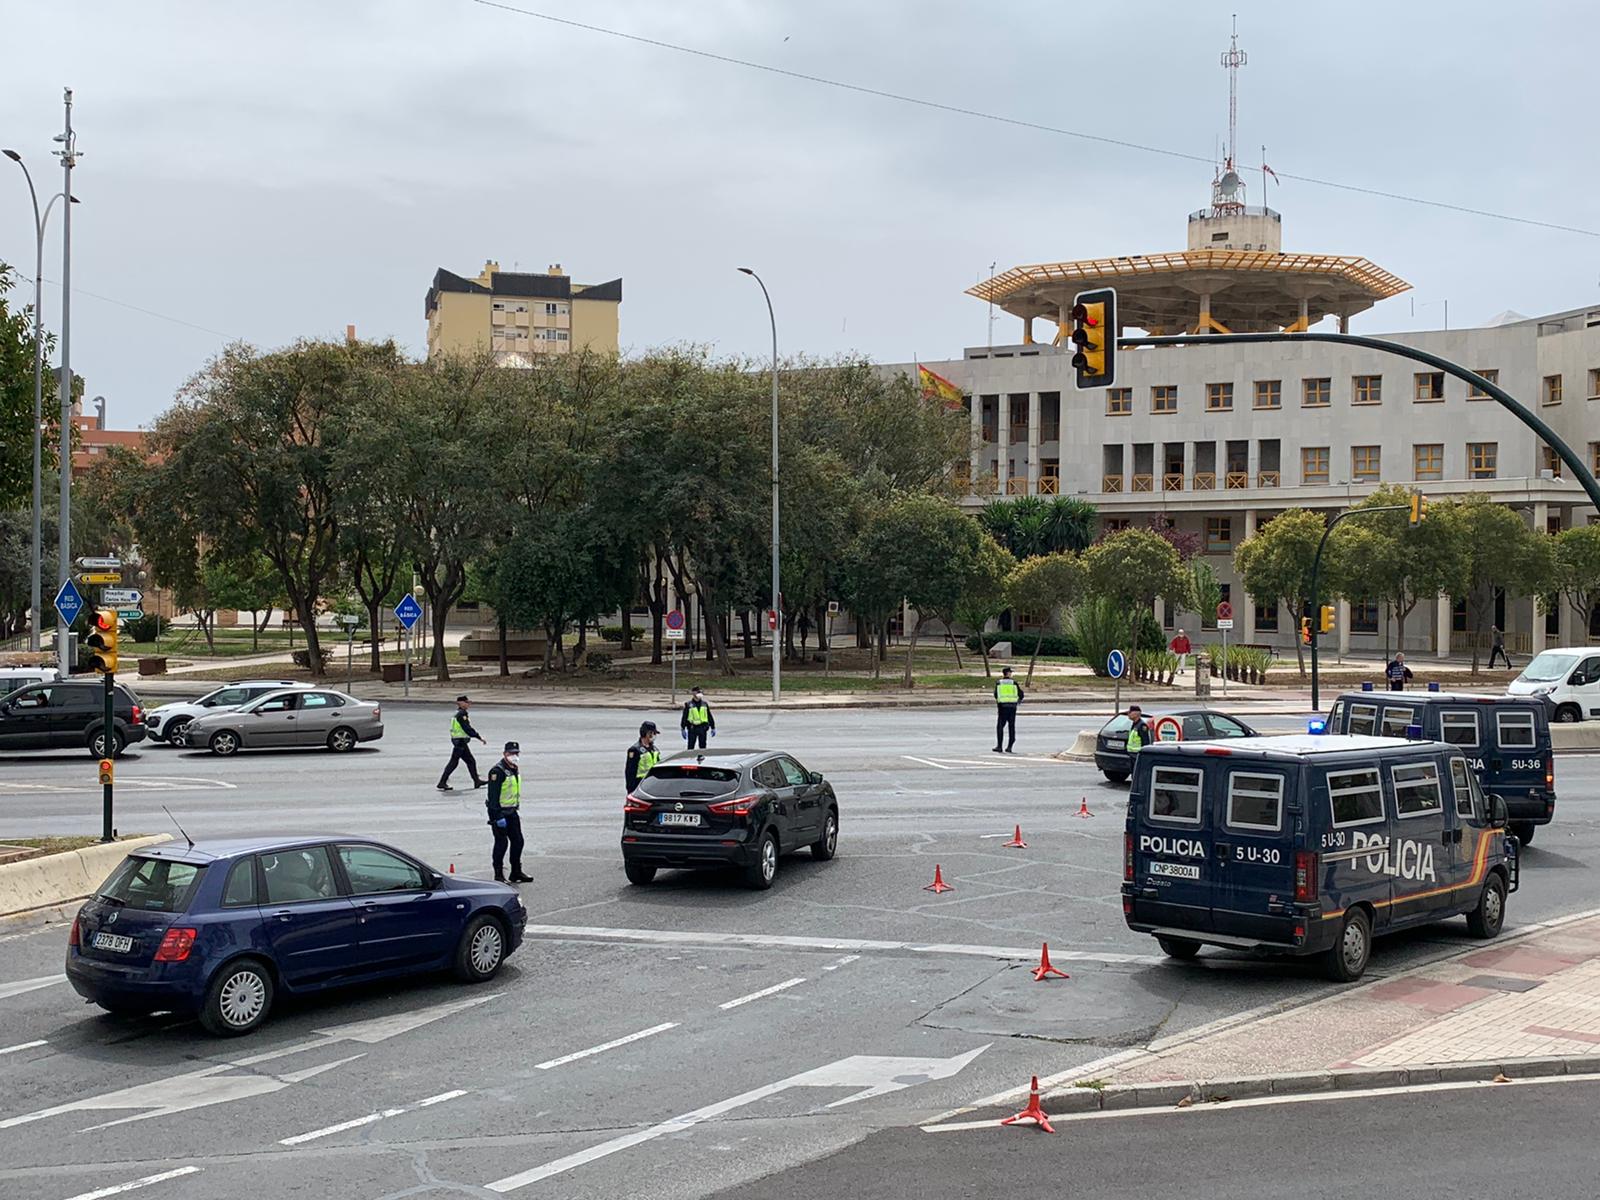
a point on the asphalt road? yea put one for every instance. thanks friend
(850, 979)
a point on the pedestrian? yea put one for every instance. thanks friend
(1182, 647)
(697, 720)
(504, 802)
(461, 735)
(1007, 695)
(642, 755)
(1139, 735)
(1498, 646)
(1397, 672)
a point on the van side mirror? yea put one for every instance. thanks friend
(1499, 818)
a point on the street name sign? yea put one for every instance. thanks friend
(1224, 622)
(127, 596)
(100, 577)
(129, 614)
(100, 564)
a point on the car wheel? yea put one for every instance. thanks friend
(173, 734)
(639, 873)
(1346, 960)
(238, 999)
(764, 870)
(342, 739)
(1116, 776)
(826, 846)
(1485, 920)
(1567, 714)
(97, 745)
(481, 951)
(1179, 948)
(1522, 831)
(224, 742)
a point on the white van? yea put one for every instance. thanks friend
(12, 678)
(1568, 677)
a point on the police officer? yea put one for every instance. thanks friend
(461, 735)
(696, 720)
(1139, 735)
(504, 803)
(1007, 695)
(1398, 673)
(642, 755)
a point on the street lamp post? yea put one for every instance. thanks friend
(777, 632)
(69, 158)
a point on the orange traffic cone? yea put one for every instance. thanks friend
(452, 868)
(1083, 808)
(1033, 1112)
(1044, 970)
(938, 885)
(1016, 842)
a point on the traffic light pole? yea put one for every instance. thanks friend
(1316, 596)
(108, 739)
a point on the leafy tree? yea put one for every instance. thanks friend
(16, 569)
(1135, 566)
(16, 404)
(1041, 586)
(248, 584)
(1031, 525)
(1502, 552)
(1577, 570)
(1070, 524)
(1204, 590)
(983, 593)
(1275, 564)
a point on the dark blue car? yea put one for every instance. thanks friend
(217, 929)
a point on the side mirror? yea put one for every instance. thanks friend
(1499, 818)
(816, 777)
(435, 881)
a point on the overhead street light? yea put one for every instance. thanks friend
(777, 624)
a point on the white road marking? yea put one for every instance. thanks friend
(369, 1119)
(927, 762)
(23, 1046)
(775, 988)
(131, 1185)
(841, 962)
(8, 990)
(149, 783)
(604, 1046)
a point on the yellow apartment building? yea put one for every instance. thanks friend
(520, 315)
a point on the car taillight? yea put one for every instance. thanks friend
(1305, 876)
(72, 938)
(734, 808)
(635, 804)
(377, 713)
(175, 946)
(1127, 857)
(1550, 772)
(137, 715)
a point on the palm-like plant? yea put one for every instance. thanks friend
(1070, 524)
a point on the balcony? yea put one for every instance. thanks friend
(1144, 483)
(1266, 479)
(961, 477)
(1238, 479)
(1172, 481)
(1017, 485)
(1111, 483)
(1205, 481)
(1049, 485)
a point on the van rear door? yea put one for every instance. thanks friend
(1513, 762)
(1253, 852)
(1172, 875)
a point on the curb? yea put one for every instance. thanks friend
(53, 879)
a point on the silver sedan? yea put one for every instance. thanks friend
(289, 717)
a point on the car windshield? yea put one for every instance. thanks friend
(1548, 667)
(688, 782)
(151, 884)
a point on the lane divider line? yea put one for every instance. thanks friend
(604, 1046)
(23, 1046)
(773, 990)
(134, 1184)
(8, 990)
(300, 1139)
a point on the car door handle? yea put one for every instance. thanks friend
(1223, 851)
(283, 914)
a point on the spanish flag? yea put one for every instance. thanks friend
(937, 387)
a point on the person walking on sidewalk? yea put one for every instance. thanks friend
(461, 735)
(1007, 695)
(642, 755)
(1397, 672)
(697, 720)
(504, 802)
(1497, 646)
(1182, 647)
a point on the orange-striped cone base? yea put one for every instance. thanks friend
(1045, 970)
(1016, 842)
(1033, 1112)
(938, 885)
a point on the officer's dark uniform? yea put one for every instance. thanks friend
(461, 735)
(504, 803)
(639, 761)
(696, 720)
(1398, 673)
(1007, 695)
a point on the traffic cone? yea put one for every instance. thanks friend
(1083, 808)
(938, 885)
(452, 868)
(1044, 970)
(1033, 1112)
(1016, 842)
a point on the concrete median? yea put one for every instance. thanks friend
(53, 879)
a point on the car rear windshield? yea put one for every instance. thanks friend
(152, 884)
(688, 783)
(1117, 724)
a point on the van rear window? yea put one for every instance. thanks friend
(1255, 801)
(1356, 796)
(1363, 718)
(1459, 728)
(1175, 795)
(1462, 785)
(686, 783)
(1396, 720)
(1416, 789)
(1516, 730)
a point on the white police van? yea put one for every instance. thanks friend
(1307, 845)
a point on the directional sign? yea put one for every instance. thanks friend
(100, 577)
(675, 619)
(1224, 611)
(408, 612)
(1116, 664)
(127, 596)
(130, 614)
(69, 602)
(100, 564)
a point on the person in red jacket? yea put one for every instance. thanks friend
(1181, 647)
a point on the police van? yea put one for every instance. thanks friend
(1310, 845)
(1506, 740)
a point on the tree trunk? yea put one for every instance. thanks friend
(877, 656)
(208, 620)
(441, 613)
(883, 640)
(911, 650)
(255, 634)
(955, 643)
(744, 632)
(1038, 640)
(627, 627)
(377, 634)
(658, 613)
(822, 627)
(983, 645)
(505, 660)
(1299, 646)
(716, 647)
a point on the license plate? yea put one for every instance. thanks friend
(1175, 870)
(120, 943)
(679, 818)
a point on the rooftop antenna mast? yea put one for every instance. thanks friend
(1227, 191)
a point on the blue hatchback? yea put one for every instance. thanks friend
(219, 928)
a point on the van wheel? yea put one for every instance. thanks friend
(1522, 831)
(1485, 920)
(1179, 948)
(1567, 714)
(1116, 776)
(1346, 960)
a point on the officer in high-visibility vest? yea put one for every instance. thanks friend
(642, 755)
(696, 720)
(1007, 695)
(1139, 735)
(504, 803)
(461, 735)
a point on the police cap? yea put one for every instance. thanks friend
(513, 748)
(648, 727)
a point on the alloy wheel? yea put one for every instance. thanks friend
(487, 946)
(243, 996)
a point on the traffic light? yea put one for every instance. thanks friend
(1325, 619)
(1419, 508)
(102, 641)
(1305, 630)
(1094, 338)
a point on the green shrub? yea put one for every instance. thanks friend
(599, 662)
(144, 629)
(1099, 626)
(613, 633)
(1052, 645)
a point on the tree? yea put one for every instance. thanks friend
(1502, 552)
(1204, 590)
(558, 572)
(247, 584)
(1276, 563)
(1070, 524)
(983, 592)
(1133, 567)
(16, 571)
(16, 404)
(1577, 570)
(1041, 586)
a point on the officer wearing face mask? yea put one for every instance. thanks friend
(505, 814)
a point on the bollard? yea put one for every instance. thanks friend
(1202, 676)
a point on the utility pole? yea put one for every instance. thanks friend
(69, 157)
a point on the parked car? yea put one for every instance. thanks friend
(1567, 677)
(295, 716)
(727, 808)
(219, 929)
(12, 678)
(167, 722)
(1197, 724)
(68, 713)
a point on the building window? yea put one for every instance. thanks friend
(1117, 524)
(1313, 464)
(550, 308)
(1474, 392)
(1550, 461)
(1219, 397)
(1483, 460)
(1164, 398)
(1429, 385)
(1269, 393)
(1119, 402)
(1219, 535)
(1267, 617)
(1594, 383)
(1363, 616)
(1316, 393)
(1552, 389)
(1594, 457)
(1368, 389)
(1427, 461)
(1364, 463)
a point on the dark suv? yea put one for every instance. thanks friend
(69, 713)
(722, 808)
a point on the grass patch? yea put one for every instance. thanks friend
(55, 844)
(1094, 1085)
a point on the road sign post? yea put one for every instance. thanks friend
(69, 603)
(674, 633)
(408, 612)
(1117, 667)
(1224, 623)
(108, 737)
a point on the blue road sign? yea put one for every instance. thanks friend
(69, 602)
(1116, 664)
(408, 612)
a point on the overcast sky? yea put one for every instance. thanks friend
(275, 170)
